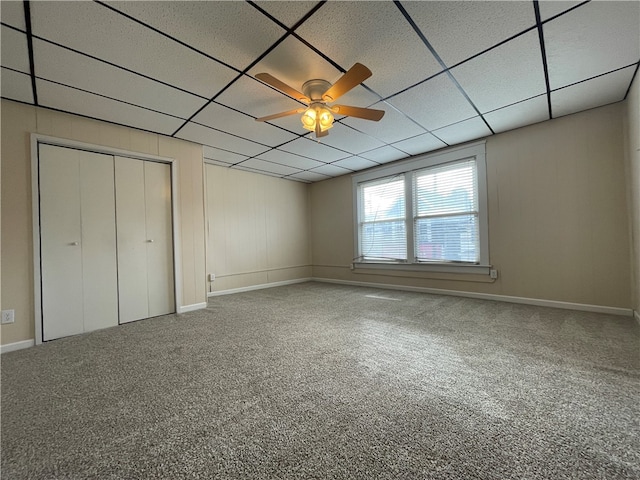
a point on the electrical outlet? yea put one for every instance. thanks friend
(8, 316)
(212, 277)
(493, 273)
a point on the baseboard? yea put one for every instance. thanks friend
(258, 287)
(191, 308)
(11, 347)
(490, 296)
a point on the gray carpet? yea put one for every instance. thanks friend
(331, 382)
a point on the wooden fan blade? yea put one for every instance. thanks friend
(283, 87)
(278, 115)
(354, 76)
(366, 113)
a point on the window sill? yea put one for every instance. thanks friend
(468, 272)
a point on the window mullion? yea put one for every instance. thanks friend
(409, 214)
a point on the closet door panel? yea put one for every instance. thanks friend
(159, 238)
(131, 239)
(60, 242)
(99, 264)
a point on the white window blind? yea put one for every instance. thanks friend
(446, 227)
(382, 226)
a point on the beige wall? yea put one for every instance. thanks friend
(558, 222)
(632, 130)
(258, 229)
(18, 122)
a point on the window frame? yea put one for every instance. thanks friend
(475, 150)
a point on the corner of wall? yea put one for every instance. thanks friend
(632, 151)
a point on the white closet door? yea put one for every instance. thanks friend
(99, 265)
(60, 242)
(157, 177)
(131, 239)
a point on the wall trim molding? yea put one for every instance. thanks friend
(636, 314)
(490, 296)
(191, 308)
(12, 347)
(258, 287)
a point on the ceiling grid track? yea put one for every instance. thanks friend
(440, 61)
(543, 52)
(32, 68)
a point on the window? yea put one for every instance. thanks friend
(383, 227)
(425, 213)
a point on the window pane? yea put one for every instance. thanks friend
(383, 200)
(447, 239)
(446, 189)
(384, 240)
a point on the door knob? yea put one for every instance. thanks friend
(150, 240)
(74, 244)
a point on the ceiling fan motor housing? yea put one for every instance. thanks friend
(314, 89)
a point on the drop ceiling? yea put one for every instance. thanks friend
(444, 72)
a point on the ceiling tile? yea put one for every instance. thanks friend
(593, 93)
(110, 36)
(459, 29)
(310, 176)
(331, 170)
(12, 13)
(289, 159)
(349, 140)
(434, 103)
(394, 126)
(75, 70)
(16, 86)
(314, 149)
(504, 75)
(420, 144)
(255, 170)
(295, 179)
(287, 12)
(222, 156)
(265, 166)
(208, 136)
(71, 100)
(219, 163)
(518, 115)
(355, 163)
(550, 8)
(375, 34)
(255, 98)
(464, 131)
(591, 40)
(230, 121)
(384, 154)
(14, 51)
(206, 27)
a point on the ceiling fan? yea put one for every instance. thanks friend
(317, 94)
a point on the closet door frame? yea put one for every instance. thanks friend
(38, 139)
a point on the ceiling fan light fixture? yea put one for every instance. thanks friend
(309, 119)
(317, 113)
